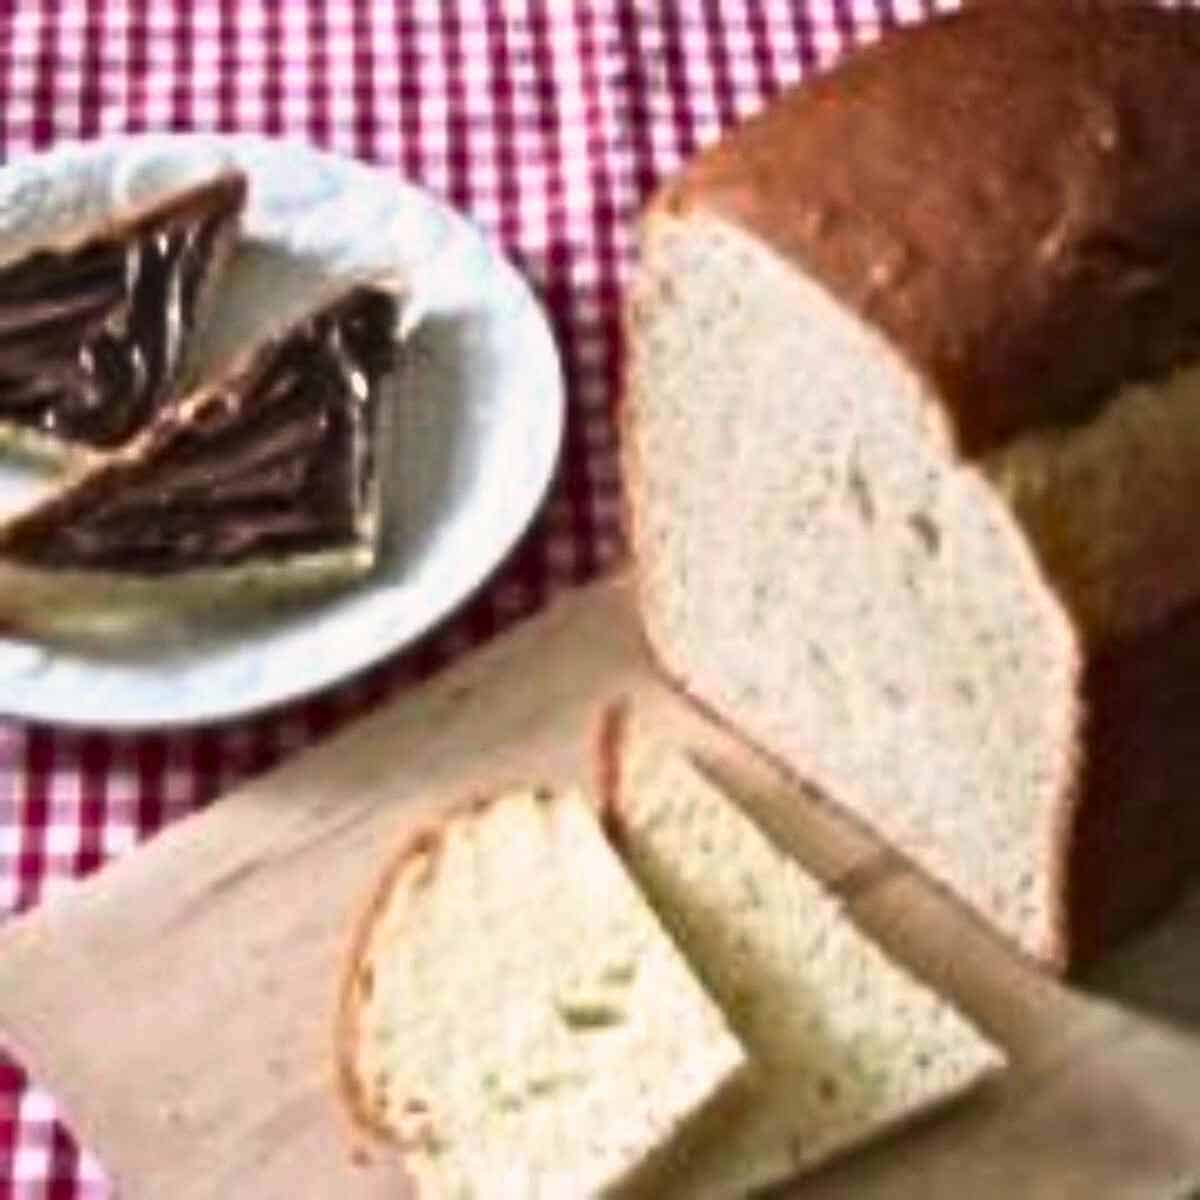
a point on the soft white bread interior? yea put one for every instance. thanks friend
(514, 1015)
(849, 1044)
(816, 562)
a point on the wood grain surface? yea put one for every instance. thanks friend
(179, 1002)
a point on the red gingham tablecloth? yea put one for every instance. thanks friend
(548, 121)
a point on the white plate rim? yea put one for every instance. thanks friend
(37, 707)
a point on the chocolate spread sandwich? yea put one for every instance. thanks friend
(96, 324)
(264, 482)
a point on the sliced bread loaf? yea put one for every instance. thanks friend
(848, 1043)
(910, 451)
(514, 1015)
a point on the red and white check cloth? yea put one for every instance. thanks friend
(548, 121)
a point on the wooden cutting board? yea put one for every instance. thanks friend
(178, 1003)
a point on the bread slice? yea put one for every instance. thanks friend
(514, 1016)
(849, 1044)
(96, 324)
(265, 484)
(910, 456)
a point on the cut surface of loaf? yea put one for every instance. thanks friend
(514, 1015)
(898, 465)
(848, 1042)
(813, 563)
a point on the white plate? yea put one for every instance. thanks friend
(479, 427)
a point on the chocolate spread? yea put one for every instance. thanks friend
(91, 337)
(273, 459)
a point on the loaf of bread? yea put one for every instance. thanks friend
(911, 462)
(848, 1043)
(515, 1017)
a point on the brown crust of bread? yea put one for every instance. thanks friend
(349, 991)
(1010, 193)
(607, 739)
(1140, 823)
(228, 189)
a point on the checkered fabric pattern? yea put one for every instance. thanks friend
(546, 120)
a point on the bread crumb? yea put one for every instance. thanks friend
(590, 1011)
(619, 972)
